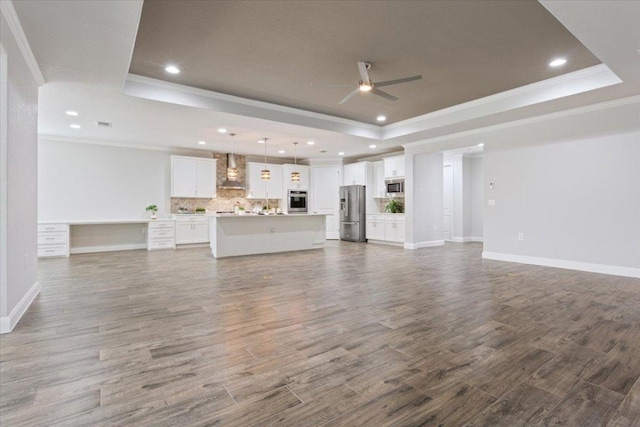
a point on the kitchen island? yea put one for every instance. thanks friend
(234, 235)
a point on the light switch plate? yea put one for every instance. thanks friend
(492, 202)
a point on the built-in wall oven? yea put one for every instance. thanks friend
(297, 202)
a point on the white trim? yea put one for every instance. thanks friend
(110, 248)
(9, 12)
(580, 81)
(163, 91)
(4, 188)
(420, 245)
(560, 263)
(385, 242)
(461, 239)
(8, 323)
(526, 121)
(477, 239)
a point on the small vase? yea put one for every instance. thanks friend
(154, 216)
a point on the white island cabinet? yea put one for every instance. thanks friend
(233, 235)
(191, 229)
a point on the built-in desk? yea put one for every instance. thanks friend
(61, 238)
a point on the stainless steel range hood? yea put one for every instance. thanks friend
(231, 184)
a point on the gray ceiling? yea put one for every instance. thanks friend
(273, 50)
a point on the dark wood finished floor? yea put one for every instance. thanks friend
(350, 335)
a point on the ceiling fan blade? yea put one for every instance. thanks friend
(348, 97)
(383, 94)
(364, 74)
(397, 81)
(331, 85)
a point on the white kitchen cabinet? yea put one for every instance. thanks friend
(192, 229)
(355, 174)
(375, 227)
(53, 240)
(394, 167)
(386, 228)
(379, 187)
(161, 234)
(259, 189)
(193, 177)
(287, 184)
(394, 230)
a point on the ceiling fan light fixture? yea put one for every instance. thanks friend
(365, 87)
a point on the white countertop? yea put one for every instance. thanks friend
(105, 221)
(265, 216)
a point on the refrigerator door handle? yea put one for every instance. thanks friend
(349, 223)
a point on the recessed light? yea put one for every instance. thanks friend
(74, 126)
(557, 62)
(222, 130)
(261, 141)
(71, 113)
(172, 69)
(373, 146)
(202, 142)
(481, 145)
(381, 118)
(281, 151)
(310, 142)
(341, 153)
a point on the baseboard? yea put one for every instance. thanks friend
(192, 245)
(385, 242)
(477, 239)
(9, 322)
(461, 239)
(110, 248)
(420, 245)
(613, 270)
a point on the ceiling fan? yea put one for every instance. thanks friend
(366, 85)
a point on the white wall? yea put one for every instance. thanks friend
(94, 182)
(19, 183)
(477, 197)
(575, 201)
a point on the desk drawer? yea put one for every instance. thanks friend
(162, 224)
(52, 250)
(52, 227)
(161, 244)
(49, 238)
(160, 233)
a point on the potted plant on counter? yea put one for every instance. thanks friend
(153, 210)
(201, 211)
(393, 207)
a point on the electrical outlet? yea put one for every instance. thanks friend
(521, 236)
(491, 202)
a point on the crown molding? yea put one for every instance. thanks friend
(580, 81)
(529, 120)
(9, 13)
(160, 90)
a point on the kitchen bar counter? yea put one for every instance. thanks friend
(234, 235)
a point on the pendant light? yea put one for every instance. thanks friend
(232, 170)
(295, 175)
(265, 174)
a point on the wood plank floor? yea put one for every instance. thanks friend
(354, 334)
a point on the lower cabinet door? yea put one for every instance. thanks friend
(184, 232)
(200, 232)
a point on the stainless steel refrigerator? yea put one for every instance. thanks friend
(353, 218)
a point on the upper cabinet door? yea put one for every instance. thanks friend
(355, 174)
(287, 184)
(379, 188)
(274, 185)
(206, 174)
(394, 167)
(193, 177)
(183, 177)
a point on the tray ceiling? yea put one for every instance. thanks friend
(273, 51)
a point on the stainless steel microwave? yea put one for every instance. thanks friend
(395, 187)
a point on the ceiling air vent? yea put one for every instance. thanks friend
(103, 124)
